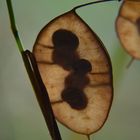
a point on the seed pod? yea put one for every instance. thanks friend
(76, 70)
(128, 27)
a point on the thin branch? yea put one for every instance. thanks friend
(13, 26)
(35, 78)
(41, 94)
(94, 2)
(88, 137)
(130, 62)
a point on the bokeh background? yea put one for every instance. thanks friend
(20, 115)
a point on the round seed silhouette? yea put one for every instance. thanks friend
(63, 38)
(65, 43)
(75, 98)
(82, 66)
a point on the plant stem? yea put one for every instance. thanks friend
(94, 2)
(35, 78)
(41, 94)
(13, 26)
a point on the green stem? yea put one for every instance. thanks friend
(36, 81)
(94, 2)
(13, 26)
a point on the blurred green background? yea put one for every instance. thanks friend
(20, 115)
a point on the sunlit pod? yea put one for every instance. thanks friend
(76, 70)
(128, 27)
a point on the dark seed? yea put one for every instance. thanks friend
(64, 38)
(75, 98)
(82, 66)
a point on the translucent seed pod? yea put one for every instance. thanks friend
(128, 27)
(77, 72)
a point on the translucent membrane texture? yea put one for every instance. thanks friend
(76, 70)
(128, 27)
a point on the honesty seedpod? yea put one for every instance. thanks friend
(76, 70)
(128, 27)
